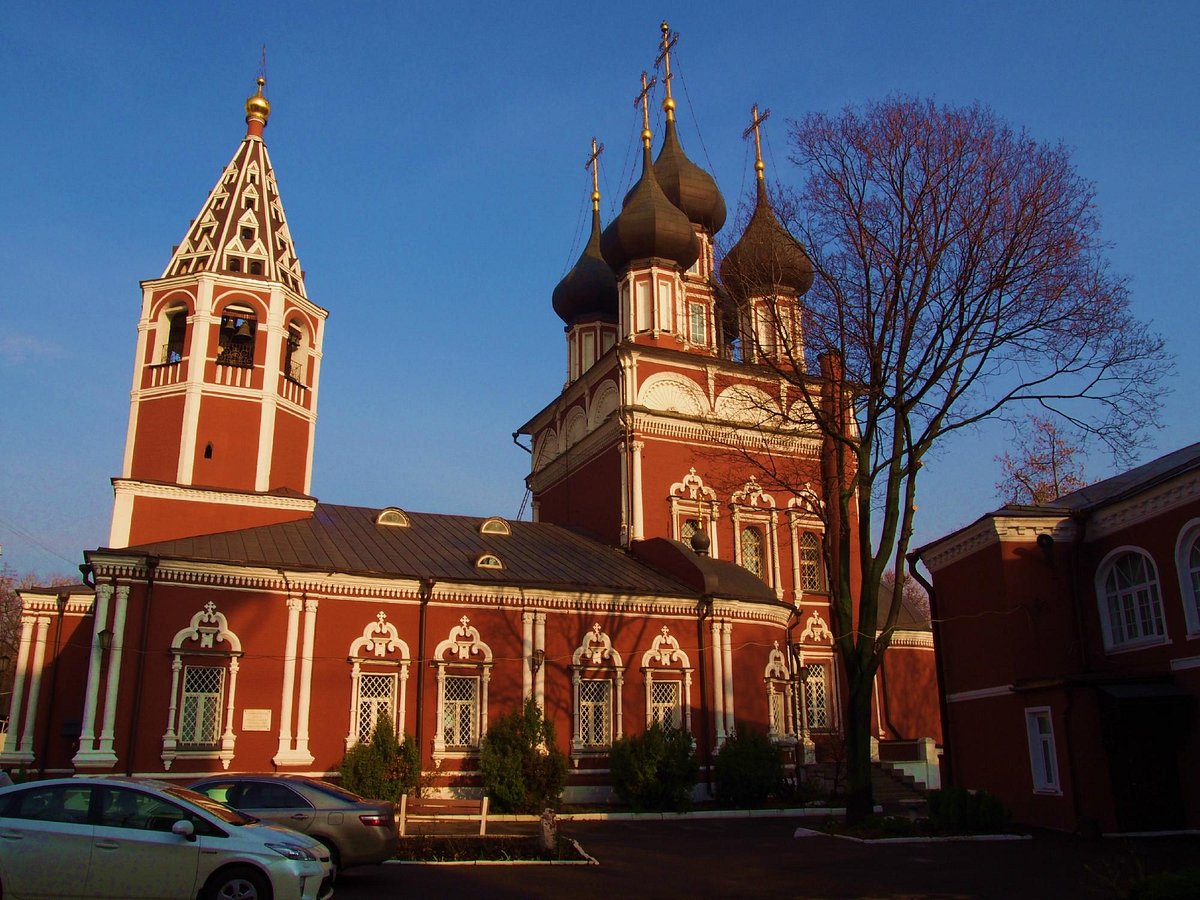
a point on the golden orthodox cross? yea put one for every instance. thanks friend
(755, 121)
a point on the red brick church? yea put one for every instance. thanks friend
(234, 622)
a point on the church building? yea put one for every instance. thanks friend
(234, 622)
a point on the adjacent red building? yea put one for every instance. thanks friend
(238, 623)
(1069, 645)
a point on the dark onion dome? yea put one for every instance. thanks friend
(766, 257)
(687, 185)
(650, 225)
(590, 288)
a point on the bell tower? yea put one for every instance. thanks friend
(223, 407)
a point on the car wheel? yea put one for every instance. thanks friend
(335, 858)
(238, 884)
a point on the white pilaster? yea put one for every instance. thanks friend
(306, 665)
(638, 524)
(539, 643)
(112, 688)
(527, 654)
(87, 734)
(14, 712)
(289, 682)
(35, 684)
(718, 658)
(727, 653)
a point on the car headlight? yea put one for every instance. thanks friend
(293, 851)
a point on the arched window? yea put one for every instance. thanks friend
(203, 689)
(812, 567)
(1130, 607)
(379, 675)
(464, 665)
(239, 331)
(295, 352)
(176, 334)
(1187, 563)
(752, 550)
(668, 675)
(597, 676)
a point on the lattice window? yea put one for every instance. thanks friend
(687, 529)
(1131, 601)
(460, 711)
(595, 712)
(778, 708)
(752, 550)
(812, 568)
(665, 704)
(200, 711)
(376, 701)
(816, 699)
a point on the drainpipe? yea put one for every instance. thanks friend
(939, 663)
(424, 592)
(151, 571)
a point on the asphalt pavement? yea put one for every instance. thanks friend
(763, 858)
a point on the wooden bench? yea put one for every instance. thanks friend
(433, 809)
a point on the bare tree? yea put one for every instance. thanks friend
(1046, 466)
(959, 274)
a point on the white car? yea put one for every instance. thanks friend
(126, 838)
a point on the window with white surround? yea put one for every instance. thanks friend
(379, 662)
(597, 675)
(812, 566)
(697, 324)
(665, 704)
(1130, 606)
(667, 673)
(777, 678)
(204, 669)
(754, 522)
(464, 665)
(693, 508)
(752, 550)
(1042, 759)
(1187, 563)
(817, 711)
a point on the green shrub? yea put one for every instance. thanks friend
(1184, 883)
(956, 810)
(656, 770)
(523, 769)
(382, 768)
(749, 768)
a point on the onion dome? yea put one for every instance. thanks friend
(590, 288)
(650, 225)
(258, 108)
(766, 257)
(687, 185)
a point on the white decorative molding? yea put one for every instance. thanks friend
(463, 643)
(664, 652)
(816, 630)
(753, 496)
(672, 392)
(123, 486)
(460, 645)
(692, 486)
(992, 530)
(379, 640)
(1145, 505)
(746, 404)
(595, 649)
(1002, 690)
(777, 666)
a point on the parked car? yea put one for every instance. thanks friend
(357, 831)
(126, 838)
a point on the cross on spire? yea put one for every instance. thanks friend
(642, 101)
(593, 164)
(755, 121)
(669, 40)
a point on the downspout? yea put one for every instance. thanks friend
(151, 571)
(947, 766)
(424, 592)
(706, 747)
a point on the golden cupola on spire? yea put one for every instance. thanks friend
(589, 290)
(258, 107)
(649, 226)
(686, 185)
(766, 258)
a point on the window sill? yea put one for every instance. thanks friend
(1132, 646)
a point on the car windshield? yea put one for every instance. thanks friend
(212, 807)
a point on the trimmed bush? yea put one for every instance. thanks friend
(956, 810)
(523, 769)
(749, 768)
(655, 771)
(382, 768)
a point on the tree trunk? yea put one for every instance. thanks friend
(860, 800)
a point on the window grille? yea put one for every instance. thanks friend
(200, 716)
(595, 712)
(752, 551)
(375, 699)
(816, 698)
(1192, 600)
(687, 529)
(812, 571)
(665, 705)
(460, 711)
(778, 711)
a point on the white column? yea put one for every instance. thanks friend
(198, 352)
(727, 653)
(623, 451)
(87, 734)
(114, 671)
(775, 578)
(289, 681)
(352, 734)
(718, 684)
(306, 665)
(638, 529)
(527, 654)
(539, 643)
(14, 711)
(439, 736)
(272, 334)
(35, 683)
(228, 738)
(483, 705)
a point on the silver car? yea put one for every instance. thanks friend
(125, 838)
(357, 831)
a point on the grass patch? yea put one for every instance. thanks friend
(472, 848)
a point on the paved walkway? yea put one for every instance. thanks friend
(762, 858)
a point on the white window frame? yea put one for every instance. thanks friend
(1115, 636)
(780, 699)
(697, 324)
(1043, 754)
(690, 498)
(1189, 575)
(207, 705)
(752, 506)
(378, 651)
(666, 663)
(595, 660)
(455, 657)
(808, 689)
(589, 736)
(454, 706)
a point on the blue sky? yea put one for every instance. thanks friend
(430, 159)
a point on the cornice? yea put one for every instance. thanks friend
(1144, 505)
(202, 495)
(995, 530)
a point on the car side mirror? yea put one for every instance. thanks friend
(184, 829)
